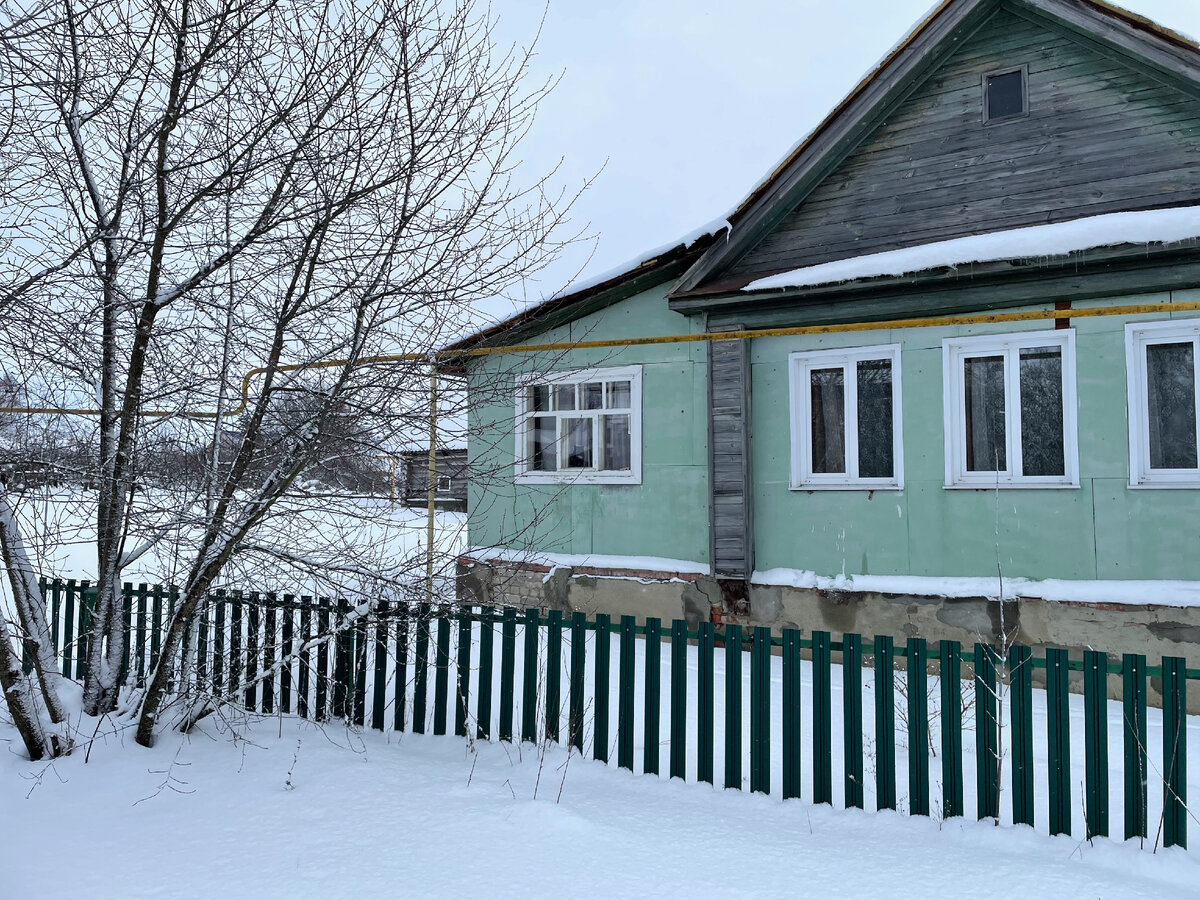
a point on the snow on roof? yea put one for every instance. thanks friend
(1059, 239)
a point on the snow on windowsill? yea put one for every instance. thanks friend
(1059, 239)
(1129, 593)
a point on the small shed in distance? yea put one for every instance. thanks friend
(451, 487)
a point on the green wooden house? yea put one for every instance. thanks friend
(957, 339)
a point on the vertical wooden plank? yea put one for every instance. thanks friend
(287, 646)
(653, 689)
(268, 655)
(529, 678)
(306, 635)
(235, 646)
(733, 706)
(987, 734)
(156, 626)
(462, 705)
(441, 674)
(358, 686)
(625, 691)
(852, 721)
(68, 627)
(1095, 728)
(792, 738)
(822, 719)
(553, 674)
(603, 687)
(508, 665)
(885, 722)
(1058, 741)
(952, 747)
(218, 666)
(1175, 812)
(421, 670)
(1020, 664)
(918, 727)
(578, 663)
(143, 592)
(705, 703)
(379, 688)
(483, 706)
(679, 680)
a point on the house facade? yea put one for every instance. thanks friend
(948, 352)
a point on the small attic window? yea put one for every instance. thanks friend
(1005, 95)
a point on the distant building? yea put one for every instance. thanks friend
(451, 486)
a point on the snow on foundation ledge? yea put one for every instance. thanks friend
(1059, 239)
(1127, 593)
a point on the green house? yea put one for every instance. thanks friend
(946, 354)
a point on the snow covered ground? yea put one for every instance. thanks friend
(290, 810)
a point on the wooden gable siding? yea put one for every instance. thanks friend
(1099, 137)
(730, 517)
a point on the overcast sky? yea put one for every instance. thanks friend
(686, 106)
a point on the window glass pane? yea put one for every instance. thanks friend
(616, 443)
(1171, 404)
(592, 395)
(539, 398)
(828, 420)
(983, 388)
(1005, 95)
(620, 395)
(1042, 448)
(542, 454)
(875, 444)
(564, 396)
(577, 434)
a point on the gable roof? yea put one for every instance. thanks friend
(1156, 51)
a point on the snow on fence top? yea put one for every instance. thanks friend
(1059, 239)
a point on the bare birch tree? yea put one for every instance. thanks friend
(197, 189)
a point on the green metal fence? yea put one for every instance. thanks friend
(320, 659)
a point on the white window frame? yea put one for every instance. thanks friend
(954, 352)
(524, 417)
(800, 364)
(1138, 336)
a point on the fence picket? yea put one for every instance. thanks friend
(441, 674)
(553, 674)
(578, 664)
(343, 650)
(603, 687)
(950, 653)
(462, 705)
(508, 664)
(885, 722)
(792, 740)
(268, 655)
(1175, 812)
(852, 721)
(143, 592)
(483, 706)
(218, 666)
(822, 718)
(379, 687)
(652, 687)
(235, 651)
(1020, 665)
(306, 635)
(678, 749)
(286, 647)
(1095, 729)
(733, 706)
(705, 703)
(529, 679)
(421, 670)
(918, 727)
(1058, 741)
(625, 692)
(760, 711)
(68, 627)
(358, 686)
(987, 734)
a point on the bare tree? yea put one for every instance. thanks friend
(203, 188)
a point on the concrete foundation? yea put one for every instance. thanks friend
(1154, 631)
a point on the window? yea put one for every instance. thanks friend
(1010, 410)
(846, 419)
(580, 426)
(1163, 370)
(1005, 95)
(444, 483)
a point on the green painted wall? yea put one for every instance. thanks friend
(667, 514)
(1102, 529)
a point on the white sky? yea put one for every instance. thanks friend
(686, 106)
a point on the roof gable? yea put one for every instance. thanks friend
(1114, 124)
